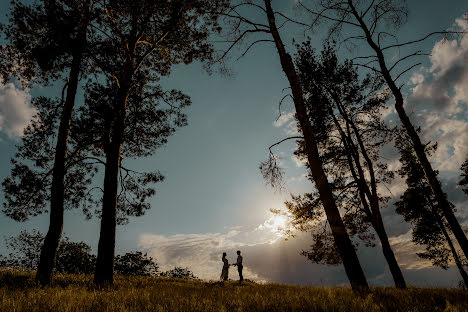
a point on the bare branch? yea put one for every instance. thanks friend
(291, 20)
(422, 39)
(251, 45)
(279, 142)
(408, 69)
(320, 15)
(280, 103)
(417, 53)
(366, 66)
(241, 36)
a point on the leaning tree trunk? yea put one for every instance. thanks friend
(431, 176)
(348, 254)
(104, 271)
(53, 236)
(454, 252)
(373, 212)
(388, 252)
(376, 217)
(377, 223)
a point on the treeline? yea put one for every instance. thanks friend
(76, 258)
(117, 52)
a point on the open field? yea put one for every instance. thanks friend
(77, 293)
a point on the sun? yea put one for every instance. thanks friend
(278, 224)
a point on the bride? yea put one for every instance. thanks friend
(225, 271)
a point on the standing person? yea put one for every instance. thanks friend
(239, 266)
(225, 271)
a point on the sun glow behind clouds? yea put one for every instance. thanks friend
(278, 224)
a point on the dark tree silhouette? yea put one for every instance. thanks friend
(418, 206)
(25, 249)
(141, 40)
(464, 176)
(47, 40)
(242, 27)
(72, 257)
(135, 263)
(373, 23)
(179, 272)
(153, 115)
(345, 114)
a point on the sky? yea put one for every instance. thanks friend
(214, 198)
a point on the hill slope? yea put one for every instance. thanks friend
(18, 292)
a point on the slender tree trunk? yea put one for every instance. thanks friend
(375, 208)
(431, 176)
(104, 271)
(388, 253)
(373, 212)
(54, 234)
(348, 254)
(454, 253)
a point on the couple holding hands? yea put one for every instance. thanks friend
(225, 271)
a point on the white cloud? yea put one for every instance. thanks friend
(283, 119)
(288, 123)
(202, 252)
(405, 251)
(298, 162)
(15, 110)
(267, 257)
(439, 100)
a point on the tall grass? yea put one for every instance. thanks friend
(18, 292)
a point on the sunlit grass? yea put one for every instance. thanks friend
(18, 292)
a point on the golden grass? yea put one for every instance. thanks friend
(77, 293)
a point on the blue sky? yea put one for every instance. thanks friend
(214, 198)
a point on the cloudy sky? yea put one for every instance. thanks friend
(214, 198)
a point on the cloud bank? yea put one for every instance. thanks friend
(280, 261)
(439, 99)
(15, 110)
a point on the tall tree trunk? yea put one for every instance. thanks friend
(454, 253)
(431, 176)
(388, 253)
(104, 271)
(348, 254)
(54, 234)
(372, 210)
(375, 216)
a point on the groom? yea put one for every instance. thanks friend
(239, 266)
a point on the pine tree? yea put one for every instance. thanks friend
(141, 41)
(418, 206)
(345, 112)
(46, 41)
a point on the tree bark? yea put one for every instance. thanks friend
(57, 193)
(348, 254)
(104, 272)
(431, 176)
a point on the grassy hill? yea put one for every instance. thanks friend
(18, 292)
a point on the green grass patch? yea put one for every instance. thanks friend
(18, 292)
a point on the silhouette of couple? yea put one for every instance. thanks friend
(225, 271)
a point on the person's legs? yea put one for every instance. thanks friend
(239, 269)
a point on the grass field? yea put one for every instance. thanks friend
(18, 292)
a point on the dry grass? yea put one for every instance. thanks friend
(77, 293)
